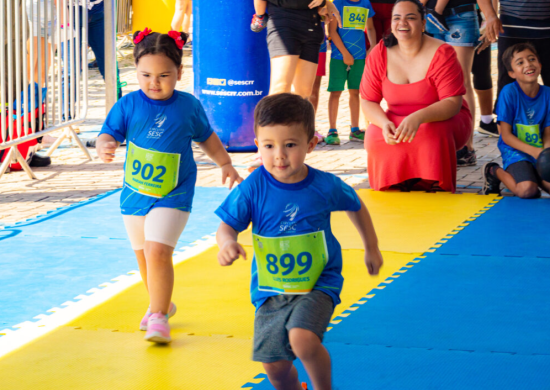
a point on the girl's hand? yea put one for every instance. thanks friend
(388, 131)
(106, 150)
(329, 11)
(230, 252)
(407, 129)
(228, 171)
(373, 261)
(315, 3)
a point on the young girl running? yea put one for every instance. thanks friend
(159, 124)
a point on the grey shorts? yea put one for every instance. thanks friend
(279, 314)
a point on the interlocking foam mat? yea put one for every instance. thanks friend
(212, 331)
(48, 260)
(514, 227)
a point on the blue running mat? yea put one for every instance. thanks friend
(360, 367)
(467, 303)
(52, 259)
(513, 227)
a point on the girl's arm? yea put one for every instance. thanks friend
(363, 223)
(106, 147)
(214, 149)
(230, 249)
(511, 140)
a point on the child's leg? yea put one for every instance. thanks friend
(283, 375)
(314, 98)
(518, 179)
(545, 186)
(260, 7)
(333, 103)
(354, 107)
(163, 227)
(188, 10)
(136, 233)
(307, 346)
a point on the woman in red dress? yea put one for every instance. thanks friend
(413, 144)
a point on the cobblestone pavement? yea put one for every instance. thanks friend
(72, 178)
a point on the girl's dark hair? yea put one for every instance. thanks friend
(389, 39)
(156, 43)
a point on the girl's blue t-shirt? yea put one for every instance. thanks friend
(166, 126)
(277, 210)
(517, 109)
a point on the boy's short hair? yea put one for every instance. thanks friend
(508, 55)
(285, 109)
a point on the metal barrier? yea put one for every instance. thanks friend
(51, 95)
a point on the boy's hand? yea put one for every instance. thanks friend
(373, 261)
(348, 59)
(228, 171)
(230, 252)
(106, 150)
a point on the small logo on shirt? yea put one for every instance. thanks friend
(290, 212)
(156, 131)
(530, 115)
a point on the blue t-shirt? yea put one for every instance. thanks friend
(277, 209)
(516, 108)
(354, 21)
(166, 126)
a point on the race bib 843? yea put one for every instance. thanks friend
(290, 264)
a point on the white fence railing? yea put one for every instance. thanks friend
(43, 74)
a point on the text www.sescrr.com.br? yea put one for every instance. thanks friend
(231, 93)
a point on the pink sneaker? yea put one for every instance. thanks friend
(143, 323)
(158, 330)
(319, 136)
(256, 163)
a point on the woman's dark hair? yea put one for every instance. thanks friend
(389, 39)
(285, 109)
(156, 43)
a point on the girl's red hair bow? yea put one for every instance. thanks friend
(176, 36)
(142, 35)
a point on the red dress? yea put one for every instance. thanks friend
(431, 156)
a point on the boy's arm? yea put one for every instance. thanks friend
(105, 147)
(546, 138)
(371, 34)
(335, 37)
(511, 140)
(214, 149)
(363, 223)
(230, 249)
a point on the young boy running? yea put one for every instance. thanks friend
(349, 51)
(523, 113)
(297, 265)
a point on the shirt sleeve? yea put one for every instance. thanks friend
(371, 10)
(236, 209)
(506, 110)
(115, 124)
(345, 198)
(202, 130)
(375, 67)
(445, 73)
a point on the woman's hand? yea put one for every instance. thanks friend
(330, 12)
(407, 129)
(228, 171)
(388, 131)
(315, 3)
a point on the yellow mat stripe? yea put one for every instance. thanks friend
(213, 329)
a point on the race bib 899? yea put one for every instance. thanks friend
(290, 264)
(530, 134)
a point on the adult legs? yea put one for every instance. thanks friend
(543, 50)
(283, 69)
(354, 107)
(333, 103)
(182, 15)
(96, 39)
(503, 77)
(38, 65)
(466, 58)
(304, 78)
(314, 98)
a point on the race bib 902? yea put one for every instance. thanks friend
(290, 264)
(151, 173)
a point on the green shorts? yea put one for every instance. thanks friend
(339, 75)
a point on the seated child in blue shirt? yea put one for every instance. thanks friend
(297, 265)
(523, 114)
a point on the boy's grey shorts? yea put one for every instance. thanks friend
(279, 314)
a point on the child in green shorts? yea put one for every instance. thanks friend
(349, 51)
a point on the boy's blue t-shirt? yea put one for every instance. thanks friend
(519, 110)
(354, 21)
(277, 210)
(166, 126)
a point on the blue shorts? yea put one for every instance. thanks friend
(463, 30)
